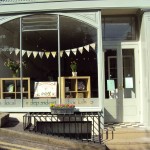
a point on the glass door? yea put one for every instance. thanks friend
(128, 70)
(120, 73)
(111, 70)
(121, 84)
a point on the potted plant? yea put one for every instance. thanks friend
(73, 67)
(14, 66)
(62, 108)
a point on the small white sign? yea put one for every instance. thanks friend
(129, 82)
(45, 89)
(110, 85)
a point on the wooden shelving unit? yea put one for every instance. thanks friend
(75, 87)
(11, 88)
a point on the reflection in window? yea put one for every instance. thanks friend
(40, 54)
(119, 28)
(9, 42)
(111, 74)
(128, 73)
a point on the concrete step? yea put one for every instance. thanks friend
(127, 138)
(129, 144)
(127, 133)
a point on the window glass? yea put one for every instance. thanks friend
(128, 73)
(40, 44)
(39, 57)
(10, 63)
(119, 28)
(77, 45)
(111, 74)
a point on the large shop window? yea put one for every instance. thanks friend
(119, 28)
(50, 44)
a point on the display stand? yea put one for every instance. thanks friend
(75, 87)
(11, 88)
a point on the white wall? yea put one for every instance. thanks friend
(71, 5)
(145, 67)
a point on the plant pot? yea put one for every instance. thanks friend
(62, 110)
(74, 74)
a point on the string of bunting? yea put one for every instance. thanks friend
(53, 53)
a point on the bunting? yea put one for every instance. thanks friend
(47, 54)
(67, 52)
(80, 49)
(11, 52)
(87, 47)
(93, 45)
(35, 54)
(54, 53)
(17, 51)
(61, 53)
(74, 51)
(23, 52)
(41, 54)
(29, 53)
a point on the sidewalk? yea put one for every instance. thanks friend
(14, 129)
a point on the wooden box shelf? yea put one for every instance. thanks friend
(77, 87)
(11, 88)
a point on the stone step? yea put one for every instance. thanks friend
(142, 143)
(128, 133)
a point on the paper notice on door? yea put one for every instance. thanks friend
(110, 85)
(129, 82)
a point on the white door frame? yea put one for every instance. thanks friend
(127, 109)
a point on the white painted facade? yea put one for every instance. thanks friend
(120, 109)
(145, 102)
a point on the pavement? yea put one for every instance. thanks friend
(13, 133)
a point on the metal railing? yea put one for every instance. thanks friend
(85, 126)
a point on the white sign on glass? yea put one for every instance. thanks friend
(129, 82)
(45, 89)
(110, 85)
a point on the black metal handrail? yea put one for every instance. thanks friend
(86, 126)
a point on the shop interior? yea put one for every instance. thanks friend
(40, 44)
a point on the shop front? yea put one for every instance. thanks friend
(40, 52)
(104, 43)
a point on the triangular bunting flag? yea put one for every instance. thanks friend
(29, 53)
(41, 54)
(53, 54)
(5, 49)
(74, 51)
(10, 52)
(67, 52)
(93, 45)
(35, 54)
(87, 47)
(80, 49)
(17, 51)
(47, 54)
(61, 53)
(23, 52)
